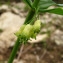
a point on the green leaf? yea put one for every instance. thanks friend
(29, 3)
(35, 3)
(43, 4)
(58, 11)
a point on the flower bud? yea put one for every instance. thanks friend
(20, 30)
(37, 26)
(26, 33)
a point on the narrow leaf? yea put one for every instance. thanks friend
(58, 11)
(45, 4)
(29, 3)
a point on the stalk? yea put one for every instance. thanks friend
(29, 18)
(14, 51)
(32, 12)
(36, 2)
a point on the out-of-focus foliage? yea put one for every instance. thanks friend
(58, 1)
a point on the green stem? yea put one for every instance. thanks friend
(30, 16)
(35, 4)
(32, 13)
(14, 51)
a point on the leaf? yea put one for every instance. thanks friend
(43, 4)
(58, 11)
(29, 3)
